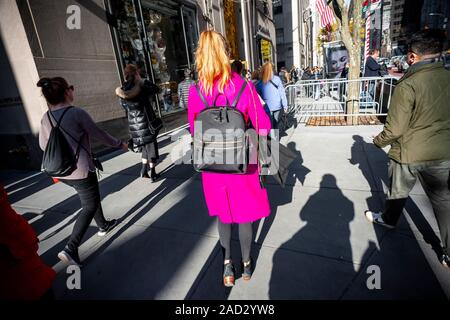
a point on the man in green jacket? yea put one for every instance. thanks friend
(418, 130)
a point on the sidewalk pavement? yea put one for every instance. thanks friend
(315, 245)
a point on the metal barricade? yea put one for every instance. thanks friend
(330, 97)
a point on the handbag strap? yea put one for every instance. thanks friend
(235, 101)
(273, 83)
(257, 128)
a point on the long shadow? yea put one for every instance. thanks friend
(29, 185)
(278, 197)
(156, 251)
(36, 181)
(288, 121)
(360, 152)
(61, 211)
(317, 261)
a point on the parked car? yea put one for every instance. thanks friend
(395, 60)
(385, 64)
(389, 64)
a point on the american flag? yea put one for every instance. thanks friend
(326, 14)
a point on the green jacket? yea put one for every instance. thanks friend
(418, 122)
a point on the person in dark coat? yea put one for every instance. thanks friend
(372, 68)
(135, 95)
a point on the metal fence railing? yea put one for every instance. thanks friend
(330, 97)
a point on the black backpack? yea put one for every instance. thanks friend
(220, 138)
(59, 159)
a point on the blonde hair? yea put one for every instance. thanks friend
(267, 72)
(212, 61)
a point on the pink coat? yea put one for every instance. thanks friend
(234, 198)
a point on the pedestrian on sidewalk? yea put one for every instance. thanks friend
(271, 90)
(294, 74)
(78, 127)
(135, 95)
(183, 88)
(233, 198)
(418, 130)
(23, 274)
(372, 69)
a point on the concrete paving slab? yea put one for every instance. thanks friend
(143, 263)
(402, 276)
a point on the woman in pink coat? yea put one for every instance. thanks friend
(232, 198)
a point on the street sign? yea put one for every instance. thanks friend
(266, 50)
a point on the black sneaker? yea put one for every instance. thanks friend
(70, 257)
(109, 226)
(445, 260)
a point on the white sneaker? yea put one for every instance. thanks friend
(69, 257)
(376, 217)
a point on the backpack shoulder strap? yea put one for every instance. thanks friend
(239, 94)
(273, 83)
(58, 122)
(201, 95)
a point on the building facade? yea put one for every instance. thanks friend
(294, 22)
(90, 42)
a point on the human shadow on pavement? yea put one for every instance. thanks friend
(159, 254)
(288, 120)
(278, 197)
(367, 155)
(317, 262)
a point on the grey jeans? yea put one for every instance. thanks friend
(434, 176)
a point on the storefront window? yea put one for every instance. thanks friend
(130, 45)
(170, 48)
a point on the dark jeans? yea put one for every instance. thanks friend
(371, 88)
(89, 194)
(435, 180)
(275, 120)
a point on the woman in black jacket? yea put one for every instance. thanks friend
(135, 95)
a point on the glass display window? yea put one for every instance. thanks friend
(165, 45)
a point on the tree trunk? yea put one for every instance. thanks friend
(352, 42)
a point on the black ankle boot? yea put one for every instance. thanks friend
(247, 269)
(154, 175)
(144, 171)
(228, 274)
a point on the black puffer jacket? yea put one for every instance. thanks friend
(135, 99)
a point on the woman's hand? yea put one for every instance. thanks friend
(124, 146)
